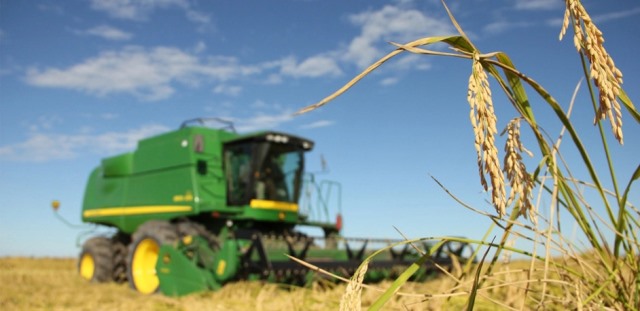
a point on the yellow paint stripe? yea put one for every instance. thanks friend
(136, 210)
(276, 205)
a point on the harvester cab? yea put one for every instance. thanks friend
(198, 207)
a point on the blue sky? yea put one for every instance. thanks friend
(82, 80)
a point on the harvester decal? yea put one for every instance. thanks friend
(187, 197)
(136, 210)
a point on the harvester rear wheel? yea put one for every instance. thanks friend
(143, 254)
(119, 244)
(95, 263)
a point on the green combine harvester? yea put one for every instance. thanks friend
(198, 207)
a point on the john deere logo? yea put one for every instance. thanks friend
(187, 197)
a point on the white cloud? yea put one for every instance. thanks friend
(109, 116)
(262, 106)
(198, 17)
(259, 104)
(45, 123)
(273, 79)
(389, 81)
(230, 90)
(390, 23)
(262, 121)
(312, 67)
(139, 10)
(616, 15)
(412, 61)
(501, 26)
(42, 147)
(601, 18)
(51, 8)
(135, 9)
(496, 27)
(149, 74)
(113, 142)
(200, 47)
(538, 4)
(154, 73)
(318, 124)
(5, 71)
(108, 32)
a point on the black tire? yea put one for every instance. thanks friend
(119, 244)
(95, 262)
(144, 247)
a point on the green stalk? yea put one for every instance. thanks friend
(476, 285)
(523, 107)
(619, 222)
(397, 283)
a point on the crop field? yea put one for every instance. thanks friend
(574, 215)
(53, 284)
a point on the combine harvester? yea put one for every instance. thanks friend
(198, 207)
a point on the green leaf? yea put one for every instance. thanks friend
(403, 278)
(519, 93)
(634, 177)
(460, 43)
(474, 290)
(470, 47)
(629, 105)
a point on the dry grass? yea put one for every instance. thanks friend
(53, 284)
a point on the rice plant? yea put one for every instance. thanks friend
(600, 269)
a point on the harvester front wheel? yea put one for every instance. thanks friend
(95, 263)
(143, 254)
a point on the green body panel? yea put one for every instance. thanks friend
(317, 254)
(227, 263)
(179, 275)
(168, 176)
(118, 166)
(173, 175)
(194, 266)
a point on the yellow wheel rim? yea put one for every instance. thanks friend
(143, 266)
(87, 267)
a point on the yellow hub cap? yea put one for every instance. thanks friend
(143, 266)
(87, 267)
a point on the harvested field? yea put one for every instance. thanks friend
(53, 284)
